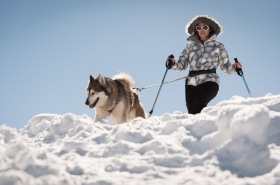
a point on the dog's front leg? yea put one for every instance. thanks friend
(100, 114)
(119, 114)
(120, 118)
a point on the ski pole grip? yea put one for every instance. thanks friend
(238, 70)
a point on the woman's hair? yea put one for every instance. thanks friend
(211, 33)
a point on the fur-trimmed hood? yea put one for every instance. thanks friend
(190, 27)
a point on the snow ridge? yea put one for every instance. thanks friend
(235, 142)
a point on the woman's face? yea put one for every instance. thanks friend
(203, 31)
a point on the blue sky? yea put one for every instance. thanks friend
(48, 49)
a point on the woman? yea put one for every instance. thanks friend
(203, 55)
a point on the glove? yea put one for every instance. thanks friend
(238, 67)
(170, 62)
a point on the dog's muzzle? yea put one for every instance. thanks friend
(87, 102)
(92, 105)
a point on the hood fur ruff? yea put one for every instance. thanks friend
(190, 27)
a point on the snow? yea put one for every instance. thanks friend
(235, 142)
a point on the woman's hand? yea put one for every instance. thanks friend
(237, 65)
(170, 61)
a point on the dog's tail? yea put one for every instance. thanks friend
(124, 76)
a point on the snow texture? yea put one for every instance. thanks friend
(235, 142)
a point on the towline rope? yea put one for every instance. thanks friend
(147, 87)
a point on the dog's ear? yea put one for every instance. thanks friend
(91, 78)
(101, 80)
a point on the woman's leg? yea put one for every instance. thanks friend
(197, 97)
(190, 92)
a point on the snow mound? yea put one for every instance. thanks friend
(235, 142)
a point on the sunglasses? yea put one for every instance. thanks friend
(199, 28)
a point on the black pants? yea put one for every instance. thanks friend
(197, 97)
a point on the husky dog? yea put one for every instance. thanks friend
(115, 97)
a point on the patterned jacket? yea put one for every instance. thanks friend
(204, 57)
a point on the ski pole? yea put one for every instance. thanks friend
(240, 73)
(152, 110)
